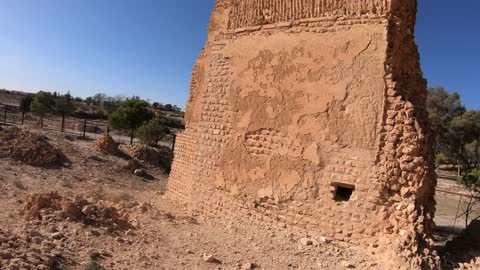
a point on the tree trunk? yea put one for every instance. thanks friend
(84, 128)
(131, 137)
(464, 160)
(477, 153)
(5, 116)
(63, 122)
(23, 117)
(468, 211)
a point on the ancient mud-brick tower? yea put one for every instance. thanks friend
(311, 114)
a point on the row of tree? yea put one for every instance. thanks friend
(102, 104)
(133, 115)
(109, 104)
(45, 102)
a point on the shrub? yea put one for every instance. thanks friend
(94, 265)
(152, 131)
(471, 181)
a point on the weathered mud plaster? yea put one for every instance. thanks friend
(311, 114)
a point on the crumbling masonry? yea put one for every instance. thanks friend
(311, 114)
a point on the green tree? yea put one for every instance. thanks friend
(111, 104)
(443, 107)
(471, 181)
(473, 150)
(26, 102)
(64, 104)
(168, 107)
(176, 108)
(131, 114)
(89, 100)
(152, 131)
(464, 133)
(440, 159)
(42, 103)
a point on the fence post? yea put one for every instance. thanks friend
(63, 122)
(84, 127)
(174, 141)
(41, 120)
(5, 116)
(23, 117)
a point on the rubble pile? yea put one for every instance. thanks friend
(132, 165)
(156, 156)
(52, 206)
(27, 250)
(29, 147)
(107, 145)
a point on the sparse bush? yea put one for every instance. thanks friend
(122, 197)
(94, 265)
(67, 184)
(19, 184)
(471, 181)
(151, 132)
(95, 256)
(171, 122)
(98, 194)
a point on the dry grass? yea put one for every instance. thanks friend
(19, 184)
(67, 184)
(98, 194)
(122, 197)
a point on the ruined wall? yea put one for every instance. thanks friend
(292, 100)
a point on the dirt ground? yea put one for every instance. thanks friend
(451, 205)
(161, 235)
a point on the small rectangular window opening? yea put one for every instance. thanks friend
(343, 192)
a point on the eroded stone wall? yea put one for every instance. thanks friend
(292, 100)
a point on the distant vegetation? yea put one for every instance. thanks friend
(457, 141)
(97, 103)
(152, 120)
(457, 130)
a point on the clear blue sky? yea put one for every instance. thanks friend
(148, 47)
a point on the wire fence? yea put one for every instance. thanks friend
(86, 128)
(467, 204)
